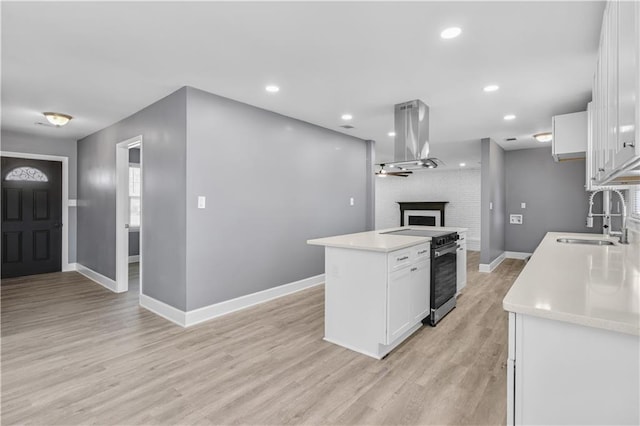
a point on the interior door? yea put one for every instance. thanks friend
(31, 216)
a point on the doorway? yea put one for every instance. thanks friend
(128, 215)
(32, 216)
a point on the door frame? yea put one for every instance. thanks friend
(64, 263)
(122, 213)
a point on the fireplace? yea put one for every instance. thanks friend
(423, 213)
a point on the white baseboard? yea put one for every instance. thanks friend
(493, 265)
(70, 267)
(473, 245)
(517, 255)
(165, 311)
(97, 277)
(206, 313)
(134, 259)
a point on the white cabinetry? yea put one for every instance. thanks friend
(375, 300)
(569, 136)
(613, 156)
(408, 298)
(461, 262)
(562, 373)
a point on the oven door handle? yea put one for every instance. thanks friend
(451, 249)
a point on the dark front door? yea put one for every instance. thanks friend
(31, 216)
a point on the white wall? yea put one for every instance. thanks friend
(461, 188)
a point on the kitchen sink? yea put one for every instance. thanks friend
(589, 242)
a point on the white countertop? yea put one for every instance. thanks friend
(595, 286)
(378, 241)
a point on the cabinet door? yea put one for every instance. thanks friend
(628, 71)
(461, 266)
(399, 317)
(420, 294)
(611, 141)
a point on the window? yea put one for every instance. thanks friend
(27, 174)
(634, 201)
(134, 195)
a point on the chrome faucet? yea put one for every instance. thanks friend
(623, 234)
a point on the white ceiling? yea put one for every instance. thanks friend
(101, 62)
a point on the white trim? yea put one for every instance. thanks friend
(206, 313)
(97, 277)
(64, 264)
(73, 203)
(134, 259)
(493, 265)
(122, 212)
(168, 312)
(71, 267)
(517, 255)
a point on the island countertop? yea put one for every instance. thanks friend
(379, 241)
(590, 285)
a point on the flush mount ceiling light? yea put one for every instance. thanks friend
(57, 119)
(347, 117)
(509, 117)
(391, 134)
(463, 164)
(544, 137)
(449, 33)
(491, 88)
(272, 88)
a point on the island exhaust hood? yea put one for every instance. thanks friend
(411, 148)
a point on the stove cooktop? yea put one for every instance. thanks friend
(418, 232)
(447, 237)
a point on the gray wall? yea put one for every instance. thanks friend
(163, 127)
(493, 191)
(134, 243)
(271, 183)
(36, 144)
(554, 195)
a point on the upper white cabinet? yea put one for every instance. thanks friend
(613, 154)
(570, 136)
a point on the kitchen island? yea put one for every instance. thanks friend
(376, 288)
(574, 334)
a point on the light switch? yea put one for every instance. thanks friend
(351, 201)
(490, 206)
(202, 200)
(523, 205)
(515, 219)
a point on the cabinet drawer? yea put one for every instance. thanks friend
(397, 260)
(421, 252)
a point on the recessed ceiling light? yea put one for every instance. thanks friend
(544, 137)
(452, 32)
(347, 117)
(509, 117)
(491, 88)
(57, 119)
(272, 88)
(392, 134)
(463, 164)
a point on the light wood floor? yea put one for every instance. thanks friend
(73, 352)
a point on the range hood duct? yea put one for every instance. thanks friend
(411, 149)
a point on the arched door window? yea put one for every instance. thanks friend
(26, 173)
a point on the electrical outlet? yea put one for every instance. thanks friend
(523, 205)
(515, 219)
